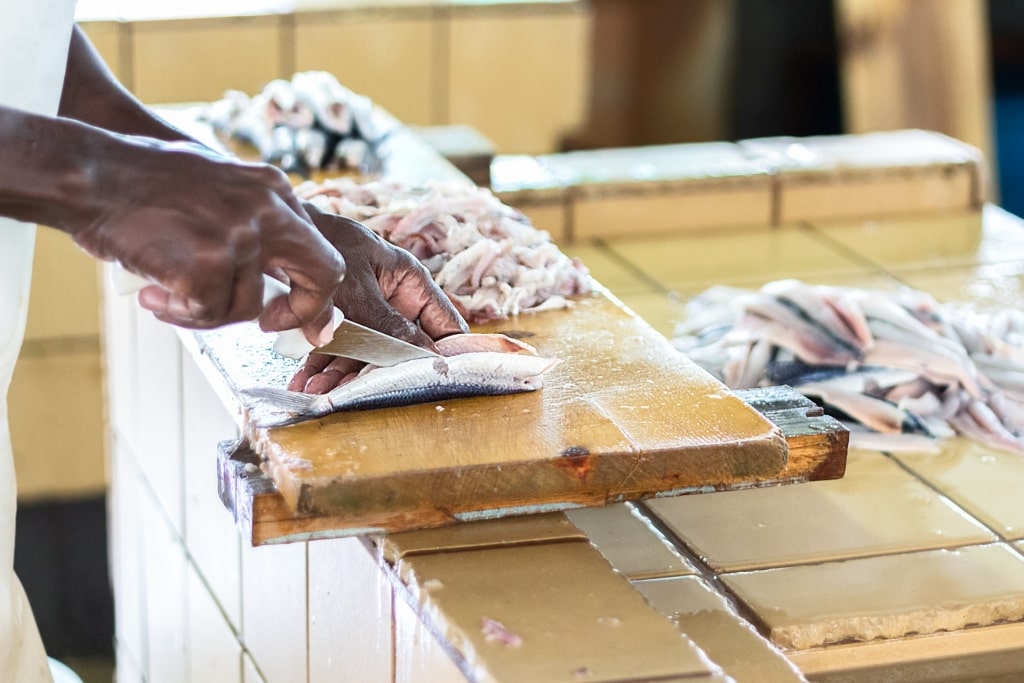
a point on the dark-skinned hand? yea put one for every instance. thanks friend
(204, 228)
(385, 288)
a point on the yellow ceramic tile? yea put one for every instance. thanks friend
(495, 533)
(629, 542)
(711, 622)
(165, 604)
(552, 217)
(419, 656)
(739, 257)
(548, 612)
(876, 508)
(109, 37)
(60, 267)
(662, 311)
(673, 211)
(922, 241)
(983, 481)
(496, 86)
(869, 175)
(985, 286)
(885, 597)
(609, 269)
(214, 653)
(350, 611)
(869, 195)
(211, 536)
(197, 60)
(274, 614)
(365, 50)
(63, 456)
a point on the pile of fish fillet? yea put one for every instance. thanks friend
(902, 370)
(486, 256)
(310, 122)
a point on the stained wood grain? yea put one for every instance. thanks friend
(624, 416)
(817, 443)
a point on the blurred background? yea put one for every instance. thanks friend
(532, 78)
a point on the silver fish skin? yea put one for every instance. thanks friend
(423, 380)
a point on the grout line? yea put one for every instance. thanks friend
(704, 571)
(874, 268)
(953, 502)
(630, 266)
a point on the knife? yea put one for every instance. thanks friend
(351, 340)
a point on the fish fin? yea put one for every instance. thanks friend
(294, 402)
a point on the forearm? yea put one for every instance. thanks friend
(93, 95)
(54, 168)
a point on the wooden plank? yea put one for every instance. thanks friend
(624, 416)
(817, 445)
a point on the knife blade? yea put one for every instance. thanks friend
(351, 340)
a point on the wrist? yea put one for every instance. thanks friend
(46, 177)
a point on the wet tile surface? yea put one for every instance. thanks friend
(920, 242)
(611, 270)
(708, 619)
(921, 593)
(483, 534)
(877, 508)
(737, 257)
(983, 481)
(663, 311)
(629, 542)
(553, 612)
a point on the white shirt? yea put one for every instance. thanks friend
(34, 39)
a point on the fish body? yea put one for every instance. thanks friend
(423, 380)
(897, 362)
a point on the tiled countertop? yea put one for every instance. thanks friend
(750, 581)
(904, 540)
(911, 551)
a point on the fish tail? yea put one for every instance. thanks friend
(294, 402)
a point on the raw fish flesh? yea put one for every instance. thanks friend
(892, 363)
(470, 365)
(486, 256)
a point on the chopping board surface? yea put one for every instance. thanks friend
(623, 416)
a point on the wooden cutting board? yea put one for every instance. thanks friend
(623, 416)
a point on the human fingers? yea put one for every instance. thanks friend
(235, 302)
(414, 294)
(314, 272)
(331, 374)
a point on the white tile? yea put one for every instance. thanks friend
(350, 611)
(210, 533)
(158, 366)
(274, 614)
(214, 652)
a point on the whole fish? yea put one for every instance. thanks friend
(469, 373)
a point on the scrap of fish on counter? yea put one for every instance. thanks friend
(486, 256)
(469, 365)
(310, 122)
(904, 371)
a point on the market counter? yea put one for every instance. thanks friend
(746, 584)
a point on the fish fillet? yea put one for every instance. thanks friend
(472, 365)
